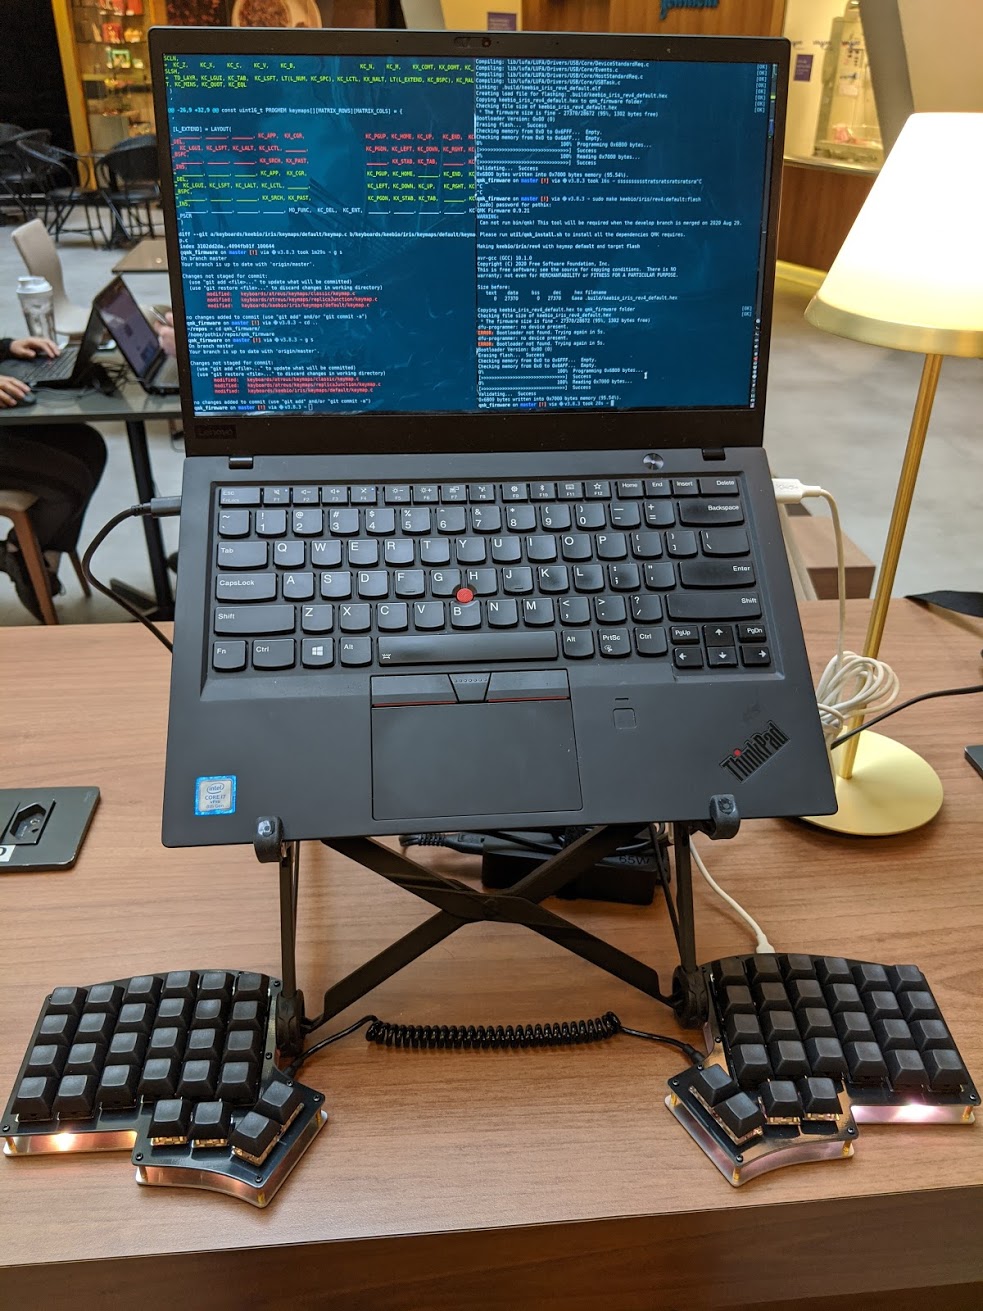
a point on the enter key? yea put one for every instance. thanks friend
(716, 573)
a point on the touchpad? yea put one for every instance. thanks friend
(472, 759)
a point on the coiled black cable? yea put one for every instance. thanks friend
(485, 1037)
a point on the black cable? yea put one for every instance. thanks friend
(886, 714)
(470, 1037)
(169, 505)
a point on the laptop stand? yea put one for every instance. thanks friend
(458, 904)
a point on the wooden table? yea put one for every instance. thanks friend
(148, 256)
(486, 1180)
(131, 405)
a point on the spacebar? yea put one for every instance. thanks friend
(456, 648)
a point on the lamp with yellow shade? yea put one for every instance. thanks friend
(908, 276)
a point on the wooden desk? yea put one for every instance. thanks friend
(148, 256)
(488, 1179)
(129, 405)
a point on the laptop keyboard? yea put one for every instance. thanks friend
(334, 576)
(44, 369)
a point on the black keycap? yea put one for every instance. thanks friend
(729, 971)
(597, 489)
(35, 1096)
(891, 1034)
(687, 657)
(763, 968)
(159, 1078)
(246, 1015)
(204, 1044)
(684, 634)
(882, 1006)
(684, 487)
(117, 1089)
(701, 513)
(233, 523)
(127, 1049)
(254, 1137)
(396, 494)
(718, 634)
(651, 641)
(573, 547)
(95, 1026)
(539, 550)
(208, 1012)
(930, 1035)
(610, 609)
(805, 992)
(238, 1082)
(659, 514)
(906, 978)
(916, 1005)
(308, 523)
(853, 1026)
(334, 495)
(742, 1028)
(798, 966)
(76, 1097)
(363, 554)
(293, 555)
(819, 1097)
(578, 643)
(625, 516)
(831, 969)
(278, 653)
(780, 1100)
(552, 578)
(45, 1059)
(750, 1065)
(454, 519)
(84, 1058)
(771, 995)
(380, 523)
(469, 615)
(239, 496)
(698, 606)
(624, 577)
(741, 1116)
(946, 1072)
(718, 486)
(716, 573)
(754, 633)
(681, 543)
(713, 1084)
(778, 1026)
(228, 657)
(245, 587)
(355, 651)
(298, 587)
(816, 1022)
(171, 1121)
(198, 1080)
(280, 1100)
(324, 555)
(316, 618)
(354, 617)
(826, 1057)
(788, 1059)
(276, 495)
(505, 614)
(57, 1029)
(317, 652)
(870, 978)
(905, 1069)
(449, 648)
(721, 657)
(105, 997)
(552, 518)
(364, 495)
(646, 609)
(478, 492)
(588, 578)
(409, 583)
(657, 487)
(335, 586)
(508, 550)
(611, 546)
(243, 555)
(724, 541)
(210, 1124)
(343, 523)
(842, 997)
(659, 577)
(180, 983)
(646, 546)
(306, 495)
(866, 1063)
(65, 1001)
(614, 643)
(138, 1016)
(167, 1041)
(243, 1045)
(234, 621)
(586, 515)
(271, 523)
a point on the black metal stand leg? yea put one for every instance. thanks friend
(290, 1006)
(136, 433)
(689, 997)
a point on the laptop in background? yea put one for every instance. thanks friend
(123, 319)
(74, 367)
(477, 530)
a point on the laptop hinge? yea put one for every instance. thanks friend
(714, 453)
(240, 461)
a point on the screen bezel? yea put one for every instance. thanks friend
(388, 433)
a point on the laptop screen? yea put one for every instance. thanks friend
(125, 322)
(458, 234)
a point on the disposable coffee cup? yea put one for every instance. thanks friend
(37, 301)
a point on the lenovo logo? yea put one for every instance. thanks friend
(756, 751)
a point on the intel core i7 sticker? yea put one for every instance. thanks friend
(215, 795)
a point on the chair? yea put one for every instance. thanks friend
(129, 182)
(57, 174)
(40, 255)
(17, 178)
(14, 505)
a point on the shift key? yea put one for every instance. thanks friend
(259, 619)
(698, 606)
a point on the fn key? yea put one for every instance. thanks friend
(228, 656)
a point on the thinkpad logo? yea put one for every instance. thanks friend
(756, 751)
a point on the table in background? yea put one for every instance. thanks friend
(129, 405)
(485, 1179)
(148, 256)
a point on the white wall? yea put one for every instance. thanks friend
(944, 44)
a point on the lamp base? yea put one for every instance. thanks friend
(892, 791)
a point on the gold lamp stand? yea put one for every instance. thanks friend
(883, 787)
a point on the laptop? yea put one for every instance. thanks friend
(74, 367)
(126, 323)
(477, 530)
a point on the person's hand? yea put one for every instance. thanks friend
(28, 348)
(12, 390)
(165, 334)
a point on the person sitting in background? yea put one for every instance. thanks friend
(165, 334)
(61, 464)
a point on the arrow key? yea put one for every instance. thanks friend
(721, 657)
(719, 634)
(755, 655)
(690, 657)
